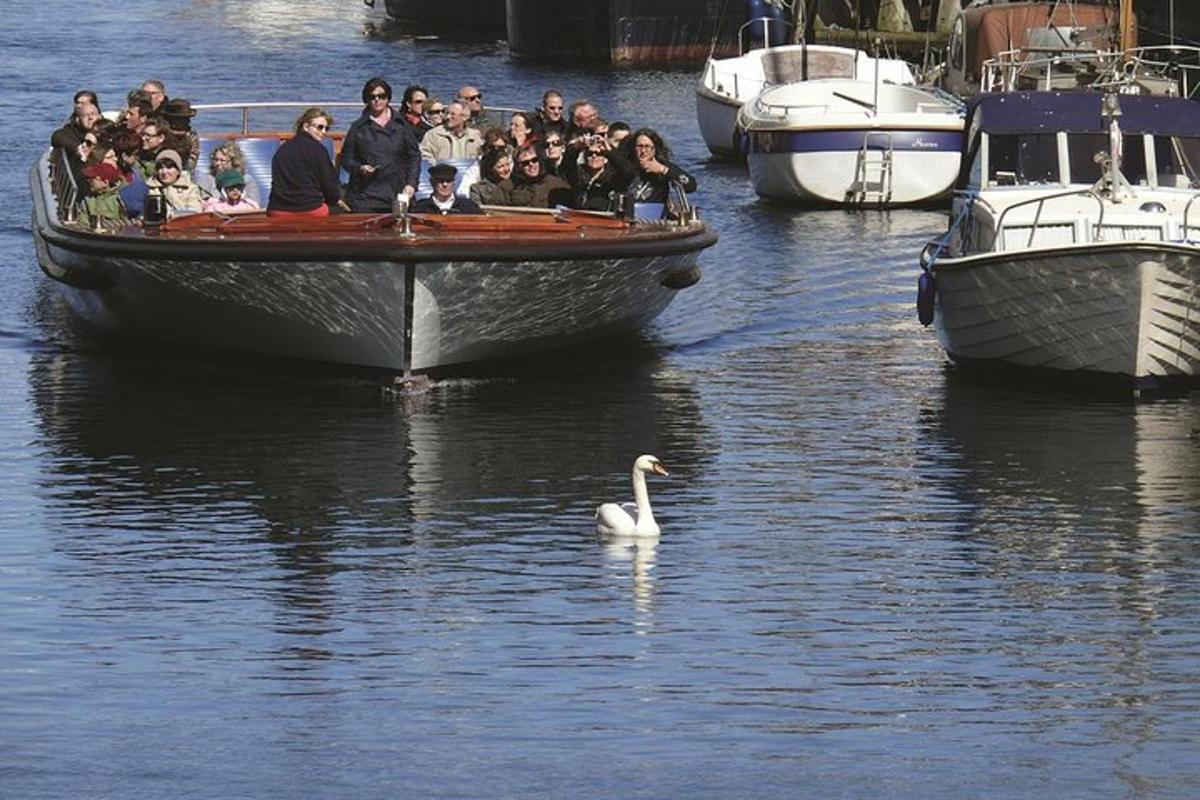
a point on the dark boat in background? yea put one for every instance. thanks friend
(624, 32)
(477, 16)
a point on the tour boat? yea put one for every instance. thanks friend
(400, 292)
(1074, 245)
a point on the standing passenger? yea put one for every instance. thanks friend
(304, 182)
(379, 153)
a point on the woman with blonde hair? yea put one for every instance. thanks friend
(227, 156)
(304, 181)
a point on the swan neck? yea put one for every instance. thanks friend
(641, 495)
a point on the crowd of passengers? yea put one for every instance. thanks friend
(554, 155)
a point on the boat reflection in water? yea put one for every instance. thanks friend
(164, 470)
(1087, 486)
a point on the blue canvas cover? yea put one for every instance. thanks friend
(1079, 112)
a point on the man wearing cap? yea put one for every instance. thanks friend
(181, 195)
(232, 185)
(103, 203)
(444, 200)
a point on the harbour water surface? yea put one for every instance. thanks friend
(876, 578)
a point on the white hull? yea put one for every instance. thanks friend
(835, 178)
(1121, 309)
(852, 142)
(718, 123)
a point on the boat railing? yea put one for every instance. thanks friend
(744, 32)
(1186, 211)
(715, 81)
(1040, 203)
(244, 110)
(1176, 65)
(62, 183)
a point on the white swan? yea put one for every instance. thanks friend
(636, 518)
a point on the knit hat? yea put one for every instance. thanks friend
(105, 171)
(230, 177)
(169, 155)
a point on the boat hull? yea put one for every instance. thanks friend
(356, 290)
(1122, 309)
(717, 117)
(823, 167)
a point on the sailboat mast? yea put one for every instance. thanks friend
(1128, 27)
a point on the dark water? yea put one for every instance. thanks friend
(876, 578)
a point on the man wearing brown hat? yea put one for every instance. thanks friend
(178, 113)
(444, 200)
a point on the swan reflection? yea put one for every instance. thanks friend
(632, 560)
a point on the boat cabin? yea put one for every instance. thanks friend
(1036, 169)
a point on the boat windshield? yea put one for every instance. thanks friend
(1022, 159)
(1026, 159)
(1177, 161)
(1086, 152)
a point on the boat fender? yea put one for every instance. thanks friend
(680, 278)
(926, 292)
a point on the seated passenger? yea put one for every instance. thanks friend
(654, 172)
(225, 156)
(453, 139)
(232, 198)
(533, 187)
(554, 160)
(494, 187)
(181, 195)
(444, 200)
(178, 113)
(102, 203)
(522, 129)
(496, 139)
(412, 110)
(154, 140)
(617, 133)
(602, 175)
(133, 183)
(550, 113)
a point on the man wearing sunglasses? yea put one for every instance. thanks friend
(472, 100)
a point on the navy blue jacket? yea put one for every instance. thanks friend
(302, 176)
(462, 205)
(392, 149)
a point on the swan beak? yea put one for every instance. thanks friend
(659, 469)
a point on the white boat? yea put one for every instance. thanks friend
(403, 292)
(726, 84)
(850, 142)
(729, 83)
(1063, 258)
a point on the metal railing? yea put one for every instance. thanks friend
(1040, 202)
(245, 109)
(62, 184)
(1175, 65)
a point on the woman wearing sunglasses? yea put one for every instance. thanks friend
(304, 182)
(379, 153)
